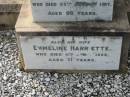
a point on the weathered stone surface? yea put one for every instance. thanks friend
(71, 52)
(28, 31)
(9, 10)
(10, 5)
(119, 22)
(8, 20)
(72, 10)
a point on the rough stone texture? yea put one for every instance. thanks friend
(8, 20)
(10, 5)
(9, 10)
(16, 83)
(127, 2)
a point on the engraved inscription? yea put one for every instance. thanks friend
(72, 10)
(67, 52)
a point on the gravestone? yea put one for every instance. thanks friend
(74, 46)
(72, 10)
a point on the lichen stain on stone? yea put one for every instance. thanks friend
(103, 39)
(43, 38)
